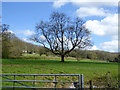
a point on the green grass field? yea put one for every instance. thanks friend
(96, 71)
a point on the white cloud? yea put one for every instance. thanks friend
(27, 40)
(95, 3)
(115, 37)
(66, 42)
(42, 38)
(30, 41)
(59, 3)
(25, 32)
(94, 48)
(59, 0)
(24, 39)
(86, 3)
(28, 0)
(106, 27)
(28, 32)
(90, 11)
(95, 0)
(111, 46)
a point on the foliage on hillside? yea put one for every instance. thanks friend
(96, 54)
(12, 46)
(16, 48)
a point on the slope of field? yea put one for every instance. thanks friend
(96, 71)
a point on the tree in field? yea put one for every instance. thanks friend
(6, 44)
(61, 34)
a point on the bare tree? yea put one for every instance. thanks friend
(61, 34)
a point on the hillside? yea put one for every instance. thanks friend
(12, 46)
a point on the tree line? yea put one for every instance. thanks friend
(13, 46)
(95, 55)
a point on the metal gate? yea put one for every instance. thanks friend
(77, 84)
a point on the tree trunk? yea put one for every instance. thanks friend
(62, 58)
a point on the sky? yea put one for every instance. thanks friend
(101, 18)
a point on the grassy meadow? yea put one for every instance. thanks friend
(101, 73)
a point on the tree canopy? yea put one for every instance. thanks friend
(61, 34)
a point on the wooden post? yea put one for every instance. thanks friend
(82, 83)
(91, 85)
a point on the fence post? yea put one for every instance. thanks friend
(91, 85)
(82, 83)
(75, 84)
(79, 80)
(14, 82)
(34, 81)
(55, 82)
